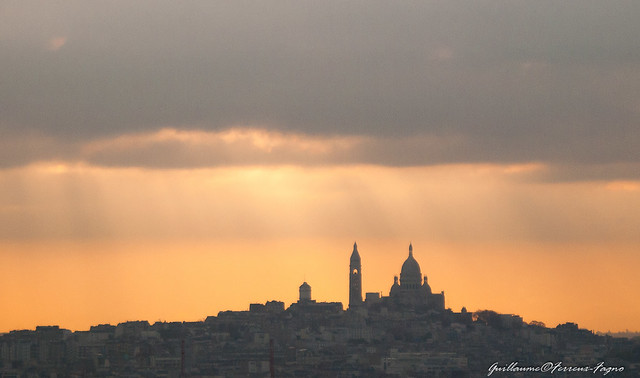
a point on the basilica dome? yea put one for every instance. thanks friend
(410, 276)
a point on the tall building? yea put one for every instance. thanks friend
(355, 278)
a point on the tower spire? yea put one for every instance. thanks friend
(410, 249)
(355, 278)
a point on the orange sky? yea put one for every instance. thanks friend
(83, 245)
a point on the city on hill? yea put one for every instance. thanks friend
(409, 333)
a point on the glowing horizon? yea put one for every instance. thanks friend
(149, 244)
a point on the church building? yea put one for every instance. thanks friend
(412, 291)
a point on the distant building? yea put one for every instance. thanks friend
(305, 293)
(307, 305)
(413, 289)
(371, 298)
(273, 307)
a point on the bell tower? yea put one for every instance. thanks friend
(355, 278)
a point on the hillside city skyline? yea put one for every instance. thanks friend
(414, 284)
(407, 333)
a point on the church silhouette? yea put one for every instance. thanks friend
(411, 292)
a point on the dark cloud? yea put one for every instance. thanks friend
(516, 81)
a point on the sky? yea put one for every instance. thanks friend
(168, 160)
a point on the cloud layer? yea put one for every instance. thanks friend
(488, 81)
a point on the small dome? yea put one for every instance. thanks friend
(425, 285)
(395, 286)
(305, 292)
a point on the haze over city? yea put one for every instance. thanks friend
(167, 161)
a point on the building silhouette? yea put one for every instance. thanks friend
(355, 278)
(411, 292)
(413, 289)
(306, 305)
(305, 292)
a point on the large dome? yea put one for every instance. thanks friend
(410, 275)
